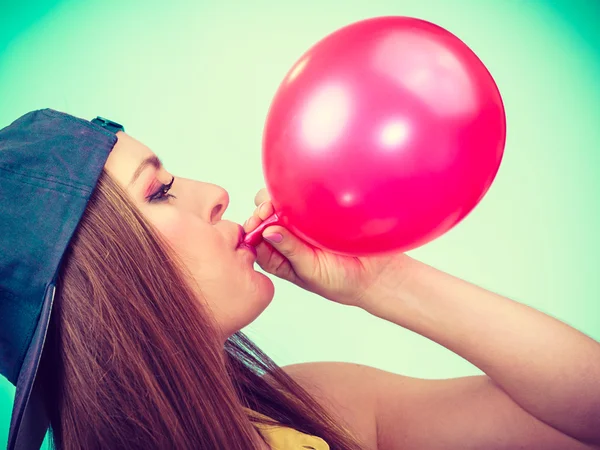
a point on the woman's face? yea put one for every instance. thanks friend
(234, 292)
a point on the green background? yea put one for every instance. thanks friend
(194, 80)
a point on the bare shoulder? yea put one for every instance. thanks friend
(388, 411)
(344, 391)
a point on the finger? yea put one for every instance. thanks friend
(252, 223)
(261, 196)
(261, 213)
(300, 255)
(265, 209)
(273, 262)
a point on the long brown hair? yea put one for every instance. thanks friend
(132, 360)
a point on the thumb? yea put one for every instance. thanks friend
(289, 245)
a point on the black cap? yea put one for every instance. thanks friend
(50, 163)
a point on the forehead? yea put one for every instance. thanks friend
(125, 157)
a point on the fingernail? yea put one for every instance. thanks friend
(276, 238)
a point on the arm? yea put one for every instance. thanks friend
(549, 369)
(387, 411)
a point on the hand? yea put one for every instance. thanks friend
(344, 279)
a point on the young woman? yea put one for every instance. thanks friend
(144, 350)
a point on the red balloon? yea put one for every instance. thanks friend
(383, 136)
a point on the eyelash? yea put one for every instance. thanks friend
(162, 194)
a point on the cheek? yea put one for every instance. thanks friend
(171, 226)
(191, 238)
(180, 231)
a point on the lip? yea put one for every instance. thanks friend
(240, 236)
(250, 248)
(241, 245)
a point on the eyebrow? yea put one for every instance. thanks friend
(153, 161)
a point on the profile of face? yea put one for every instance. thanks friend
(192, 223)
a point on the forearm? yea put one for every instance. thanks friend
(550, 369)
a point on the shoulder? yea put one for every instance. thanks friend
(388, 411)
(341, 388)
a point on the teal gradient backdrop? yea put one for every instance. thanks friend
(194, 80)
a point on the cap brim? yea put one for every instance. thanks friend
(29, 421)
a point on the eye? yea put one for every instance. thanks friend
(163, 193)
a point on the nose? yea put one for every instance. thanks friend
(219, 203)
(207, 200)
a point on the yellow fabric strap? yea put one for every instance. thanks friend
(284, 438)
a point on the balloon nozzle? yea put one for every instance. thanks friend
(255, 236)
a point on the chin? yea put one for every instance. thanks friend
(262, 297)
(250, 306)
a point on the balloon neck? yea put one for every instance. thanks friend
(255, 237)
